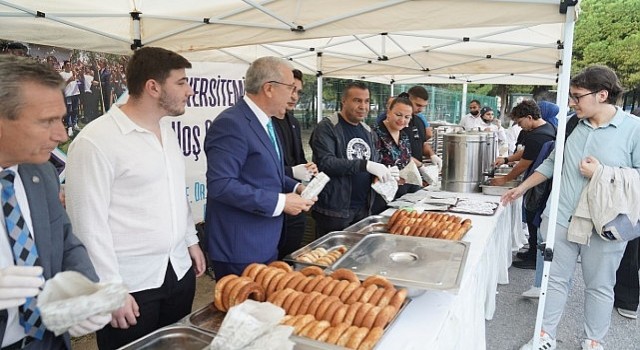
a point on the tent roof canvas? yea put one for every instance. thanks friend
(430, 41)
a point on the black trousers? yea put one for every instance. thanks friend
(627, 288)
(292, 234)
(533, 233)
(326, 224)
(159, 307)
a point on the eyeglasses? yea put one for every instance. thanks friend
(576, 98)
(293, 87)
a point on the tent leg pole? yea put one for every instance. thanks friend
(563, 96)
(319, 97)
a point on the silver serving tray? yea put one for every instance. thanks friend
(461, 207)
(209, 319)
(498, 190)
(328, 242)
(416, 263)
(172, 338)
(374, 223)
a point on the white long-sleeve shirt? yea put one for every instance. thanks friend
(471, 122)
(125, 195)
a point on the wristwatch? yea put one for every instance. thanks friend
(506, 160)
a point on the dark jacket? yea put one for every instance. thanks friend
(298, 152)
(417, 136)
(58, 248)
(535, 199)
(329, 153)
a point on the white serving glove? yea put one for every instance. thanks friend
(301, 173)
(90, 325)
(17, 283)
(425, 174)
(395, 173)
(437, 161)
(379, 170)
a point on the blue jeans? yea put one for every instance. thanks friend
(73, 106)
(537, 282)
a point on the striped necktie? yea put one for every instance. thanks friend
(24, 251)
(272, 136)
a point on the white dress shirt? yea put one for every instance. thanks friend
(264, 119)
(14, 331)
(71, 89)
(125, 195)
(469, 122)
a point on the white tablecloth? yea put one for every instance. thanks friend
(443, 320)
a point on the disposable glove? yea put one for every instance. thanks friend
(395, 173)
(379, 170)
(428, 178)
(17, 283)
(90, 325)
(437, 161)
(301, 173)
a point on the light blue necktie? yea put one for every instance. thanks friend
(272, 136)
(24, 251)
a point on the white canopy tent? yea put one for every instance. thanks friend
(407, 41)
(490, 55)
(386, 41)
(477, 41)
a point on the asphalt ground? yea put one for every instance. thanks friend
(514, 320)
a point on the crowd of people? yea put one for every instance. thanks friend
(92, 85)
(129, 219)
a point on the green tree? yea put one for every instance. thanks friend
(608, 33)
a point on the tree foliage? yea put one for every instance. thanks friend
(608, 33)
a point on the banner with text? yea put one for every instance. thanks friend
(217, 86)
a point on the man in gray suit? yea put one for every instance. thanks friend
(31, 111)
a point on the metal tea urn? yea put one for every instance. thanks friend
(465, 157)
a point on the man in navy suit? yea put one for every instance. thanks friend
(31, 112)
(247, 189)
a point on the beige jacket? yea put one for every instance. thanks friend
(611, 191)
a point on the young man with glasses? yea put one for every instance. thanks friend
(604, 135)
(247, 189)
